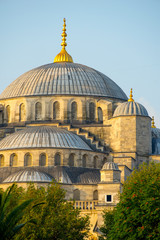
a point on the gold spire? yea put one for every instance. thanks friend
(131, 97)
(63, 56)
(153, 123)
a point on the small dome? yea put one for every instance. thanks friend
(110, 166)
(43, 137)
(28, 175)
(130, 108)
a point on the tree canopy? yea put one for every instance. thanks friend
(55, 219)
(137, 215)
(11, 215)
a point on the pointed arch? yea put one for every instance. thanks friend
(100, 115)
(42, 159)
(22, 112)
(73, 111)
(27, 160)
(38, 111)
(13, 160)
(56, 110)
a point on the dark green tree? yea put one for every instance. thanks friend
(56, 219)
(10, 217)
(137, 216)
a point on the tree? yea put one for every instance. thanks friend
(10, 218)
(56, 219)
(137, 214)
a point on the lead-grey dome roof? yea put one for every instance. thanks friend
(130, 108)
(28, 175)
(110, 166)
(63, 79)
(43, 137)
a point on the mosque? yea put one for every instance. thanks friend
(71, 123)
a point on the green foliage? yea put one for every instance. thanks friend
(56, 219)
(11, 213)
(137, 216)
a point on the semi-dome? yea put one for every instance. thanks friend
(63, 78)
(28, 175)
(43, 137)
(110, 166)
(130, 108)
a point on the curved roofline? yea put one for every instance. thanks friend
(95, 82)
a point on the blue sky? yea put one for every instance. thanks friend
(120, 38)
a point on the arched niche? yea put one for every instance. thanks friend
(73, 111)
(13, 160)
(42, 159)
(91, 112)
(76, 194)
(22, 112)
(71, 160)
(57, 159)
(100, 115)
(1, 160)
(38, 111)
(27, 160)
(56, 110)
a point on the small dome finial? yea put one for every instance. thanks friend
(153, 123)
(131, 97)
(63, 56)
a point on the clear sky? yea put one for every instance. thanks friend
(120, 38)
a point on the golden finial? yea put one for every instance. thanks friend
(131, 97)
(153, 123)
(64, 35)
(63, 56)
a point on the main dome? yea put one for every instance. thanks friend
(63, 78)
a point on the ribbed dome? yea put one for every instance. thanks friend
(110, 166)
(43, 137)
(63, 79)
(28, 175)
(130, 108)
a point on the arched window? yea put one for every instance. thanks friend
(22, 112)
(8, 114)
(95, 195)
(91, 111)
(100, 115)
(76, 194)
(1, 160)
(27, 160)
(71, 160)
(84, 160)
(42, 159)
(56, 110)
(95, 159)
(57, 160)
(74, 111)
(13, 160)
(38, 111)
